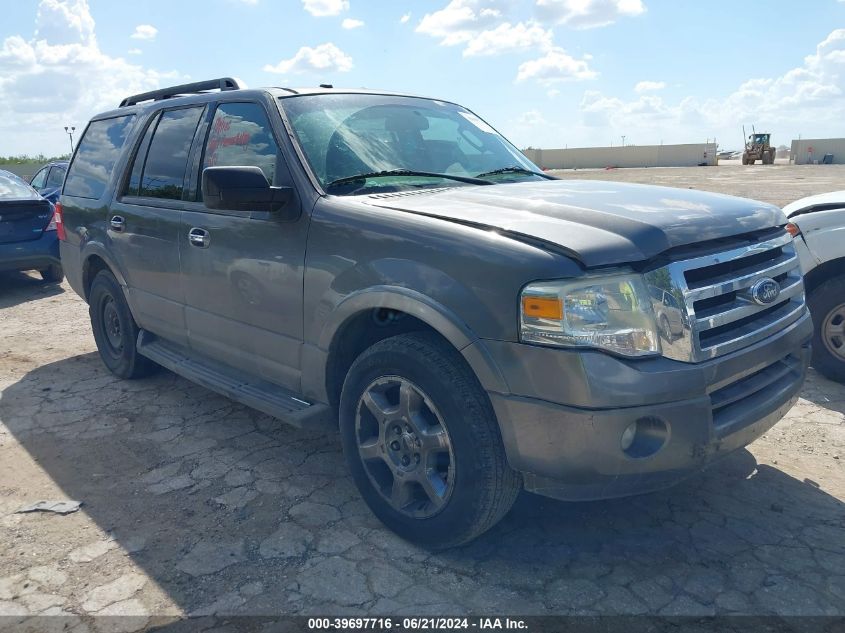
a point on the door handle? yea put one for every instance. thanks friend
(117, 223)
(199, 237)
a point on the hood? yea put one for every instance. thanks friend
(820, 202)
(600, 223)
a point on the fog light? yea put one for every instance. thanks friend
(628, 436)
(644, 437)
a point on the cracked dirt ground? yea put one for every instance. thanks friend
(196, 505)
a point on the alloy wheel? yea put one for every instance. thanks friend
(405, 447)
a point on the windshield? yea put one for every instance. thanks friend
(347, 135)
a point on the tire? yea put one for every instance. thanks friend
(53, 274)
(827, 307)
(115, 331)
(468, 471)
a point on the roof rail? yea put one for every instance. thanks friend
(223, 83)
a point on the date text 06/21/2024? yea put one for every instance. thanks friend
(415, 624)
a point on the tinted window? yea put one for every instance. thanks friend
(241, 135)
(167, 158)
(14, 188)
(56, 177)
(40, 179)
(134, 184)
(96, 156)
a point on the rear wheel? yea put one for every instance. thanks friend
(827, 307)
(115, 331)
(422, 442)
(53, 274)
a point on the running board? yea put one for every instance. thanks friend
(256, 393)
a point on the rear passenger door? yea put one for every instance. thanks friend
(243, 280)
(144, 222)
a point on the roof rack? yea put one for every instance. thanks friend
(223, 83)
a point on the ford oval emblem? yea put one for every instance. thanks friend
(765, 291)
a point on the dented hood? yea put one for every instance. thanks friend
(598, 222)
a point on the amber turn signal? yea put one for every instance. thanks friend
(793, 229)
(542, 307)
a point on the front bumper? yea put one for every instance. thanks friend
(563, 417)
(30, 255)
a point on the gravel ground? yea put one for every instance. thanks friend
(196, 505)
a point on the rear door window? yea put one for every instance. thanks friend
(56, 177)
(96, 156)
(163, 174)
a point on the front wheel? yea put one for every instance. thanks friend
(827, 307)
(115, 331)
(422, 442)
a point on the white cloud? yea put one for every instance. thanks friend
(588, 14)
(481, 27)
(61, 77)
(808, 99)
(460, 20)
(351, 23)
(407, 17)
(556, 66)
(134, 51)
(325, 8)
(649, 86)
(144, 32)
(507, 38)
(325, 57)
(531, 118)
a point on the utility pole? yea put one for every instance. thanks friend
(70, 129)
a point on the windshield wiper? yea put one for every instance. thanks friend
(514, 169)
(405, 172)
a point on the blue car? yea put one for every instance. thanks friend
(48, 180)
(28, 239)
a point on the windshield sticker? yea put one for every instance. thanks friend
(481, 125)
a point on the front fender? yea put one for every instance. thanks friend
(411, 302)
(418, 305)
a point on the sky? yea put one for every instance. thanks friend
(545, 73)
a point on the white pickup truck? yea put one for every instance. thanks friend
(818, 224)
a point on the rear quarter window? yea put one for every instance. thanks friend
(96, 156)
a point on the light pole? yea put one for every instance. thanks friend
(70, 130)
(623, 140)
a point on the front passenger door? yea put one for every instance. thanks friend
(242, 273)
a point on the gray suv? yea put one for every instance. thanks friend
(393, 267)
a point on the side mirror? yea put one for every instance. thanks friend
(246, 189)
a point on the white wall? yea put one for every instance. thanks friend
(801, 153)
(686, 155)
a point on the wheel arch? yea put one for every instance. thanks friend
(371, 315)
(94, 260)
(824, 271)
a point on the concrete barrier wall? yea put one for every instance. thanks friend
(807, 150)
(687, 155)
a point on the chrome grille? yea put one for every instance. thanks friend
(714, 294)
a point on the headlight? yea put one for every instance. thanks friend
(612, 312)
